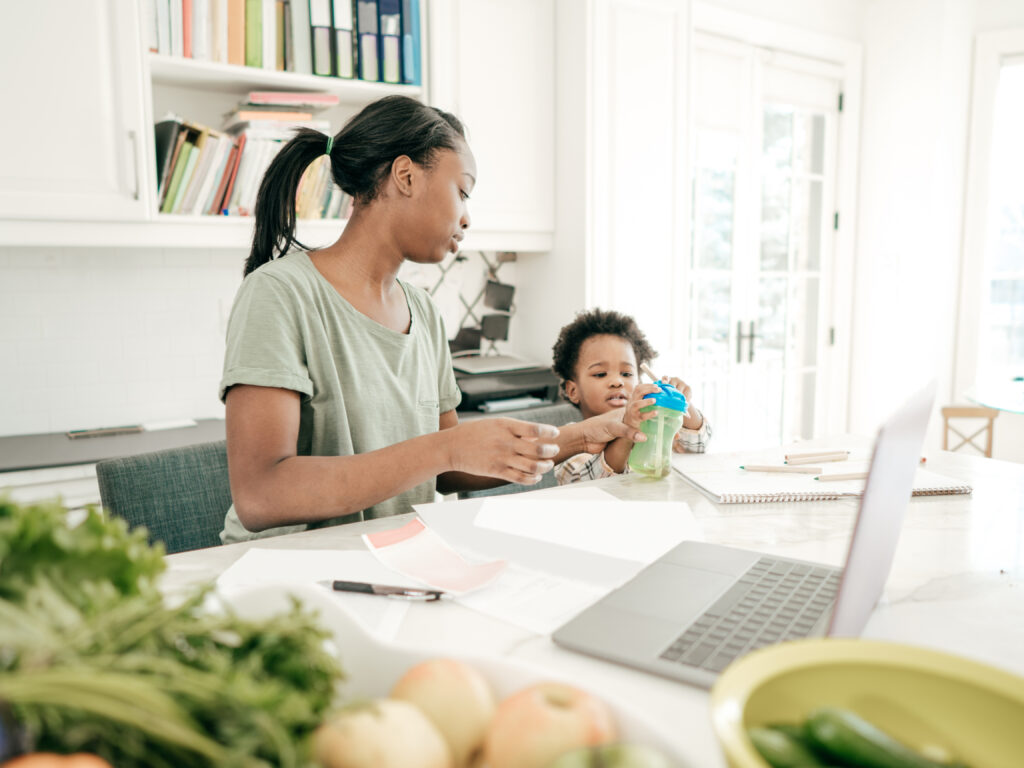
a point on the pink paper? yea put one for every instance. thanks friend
(420, 553)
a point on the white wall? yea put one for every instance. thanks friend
(93, 337)
(97, 337)
(915, 120)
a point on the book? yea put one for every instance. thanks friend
(180, 163)
(301, 38)
(244, 116)
(320, 26)
(268, 34)
(177, 28)
(720, 476)
(254, 33)
(283, 22)
(230, 174)
(165, 138)
(367, 24)
(198, 136)
(291, 99)
(342, 39)
(186, 28)
(390, 41)
(219, 31)
(215, 180)
(236, 32)
(411, 42)
(202, 44)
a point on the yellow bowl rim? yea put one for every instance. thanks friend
(739, 680)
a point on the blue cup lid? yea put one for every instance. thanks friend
(669, 397)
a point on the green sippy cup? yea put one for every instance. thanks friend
(653, 457)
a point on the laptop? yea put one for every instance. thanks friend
(700, 606)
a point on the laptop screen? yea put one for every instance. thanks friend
(880, 516)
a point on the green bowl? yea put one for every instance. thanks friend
(924, 698)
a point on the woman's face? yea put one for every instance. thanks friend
(606, 375)
(440, 213)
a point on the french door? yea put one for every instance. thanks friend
(764, 147)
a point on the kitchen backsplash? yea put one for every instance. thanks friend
(93, 337)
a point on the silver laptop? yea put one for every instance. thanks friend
(700, 606)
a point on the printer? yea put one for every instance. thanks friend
(486, 391)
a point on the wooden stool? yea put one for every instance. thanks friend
(969, 412)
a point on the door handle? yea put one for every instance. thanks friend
(740, 336)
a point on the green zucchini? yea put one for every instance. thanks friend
(852, 740)
(781, 749)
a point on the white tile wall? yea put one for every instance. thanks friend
(94, 337)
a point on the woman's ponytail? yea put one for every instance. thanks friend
(274, 234)
(360, 154)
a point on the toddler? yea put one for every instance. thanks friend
(598, 358)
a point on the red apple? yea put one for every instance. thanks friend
(539, 723)
(456, 699)
(385, 733)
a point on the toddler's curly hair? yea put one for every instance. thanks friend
(596, 322)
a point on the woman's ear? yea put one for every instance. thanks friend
(572, 392)
(403, 169)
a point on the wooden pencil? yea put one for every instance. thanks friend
(848, 476)
(780, 468)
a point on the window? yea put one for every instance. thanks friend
(1001, 327)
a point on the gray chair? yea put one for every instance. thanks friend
(181, 494)
(558, 414)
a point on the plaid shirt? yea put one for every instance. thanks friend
(592, 466)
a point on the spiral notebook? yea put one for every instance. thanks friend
(720, 476)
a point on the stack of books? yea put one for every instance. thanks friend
(375, 40)
(207, 171)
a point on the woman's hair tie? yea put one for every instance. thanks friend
(330, 143)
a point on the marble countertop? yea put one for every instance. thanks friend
(957, 584)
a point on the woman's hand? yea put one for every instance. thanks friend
(508, 449)
(632, 417)
(597, 431)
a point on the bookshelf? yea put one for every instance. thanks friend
(85, 174)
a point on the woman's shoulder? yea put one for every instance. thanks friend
(293, 273)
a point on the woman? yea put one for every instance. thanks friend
(338, 383)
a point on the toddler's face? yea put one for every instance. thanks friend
(606, 375)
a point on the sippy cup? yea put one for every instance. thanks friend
(653, 457)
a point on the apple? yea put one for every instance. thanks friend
(456, 699)
(543, 721)
(613, 756)
(385, 733)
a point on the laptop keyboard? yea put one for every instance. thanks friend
(775, 600)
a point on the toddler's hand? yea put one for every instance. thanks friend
(632, 416)
(693, 419)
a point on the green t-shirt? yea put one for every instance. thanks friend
(363, 386)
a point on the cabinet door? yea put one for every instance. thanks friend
(492, 64)
(71, 137)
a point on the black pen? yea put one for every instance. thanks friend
(403, 593)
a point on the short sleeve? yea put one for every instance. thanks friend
(265, 340)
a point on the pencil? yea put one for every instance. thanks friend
(780, 468)
(849, 476)
(837, 456)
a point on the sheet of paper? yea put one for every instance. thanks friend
(262, 567)
(535, 601)
(420, 553)
(630, 530)
(455, 521)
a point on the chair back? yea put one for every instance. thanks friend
(557, 415)
(181, 494)
(973, 413)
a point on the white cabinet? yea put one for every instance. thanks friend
(72, 136)
(493, 64)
